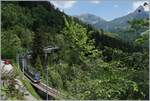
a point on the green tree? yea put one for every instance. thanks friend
(76, 35)
(11, 44)
(40, 41)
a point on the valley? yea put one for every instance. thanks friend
(83, 57)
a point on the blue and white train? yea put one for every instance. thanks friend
(29, 71)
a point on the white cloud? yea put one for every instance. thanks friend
(115, 6)
(136, 4)
(63, 4)
(129, 12)
(147, 7)
(95, 1)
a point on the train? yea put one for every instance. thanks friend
(28, 70)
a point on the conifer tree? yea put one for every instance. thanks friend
(39, 42)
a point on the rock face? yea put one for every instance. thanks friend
(8, 69)
(119, 23)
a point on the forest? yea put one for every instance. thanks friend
(91, 64)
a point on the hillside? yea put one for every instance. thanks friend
(91, 64)
(143, 39)
(43, 18)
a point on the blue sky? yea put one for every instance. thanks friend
(106, 9)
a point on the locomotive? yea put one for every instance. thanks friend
(29, 71)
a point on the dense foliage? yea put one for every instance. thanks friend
(90, 63)
(136, 27)
(10, 86)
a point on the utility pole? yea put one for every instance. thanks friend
(48, 50)
(46, 65)
(23, 63)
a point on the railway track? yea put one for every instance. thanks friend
(41, 86)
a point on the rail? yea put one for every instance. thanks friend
(42, 87)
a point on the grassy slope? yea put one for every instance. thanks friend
(26, 82)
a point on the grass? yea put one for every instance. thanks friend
(30, 89)
(4, 90)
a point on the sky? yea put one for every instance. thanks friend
(106, 9)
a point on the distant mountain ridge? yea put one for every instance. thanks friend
(118, 23)
(90, 18)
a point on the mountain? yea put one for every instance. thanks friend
(91, 19)
(120, 23)
(90, 64)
